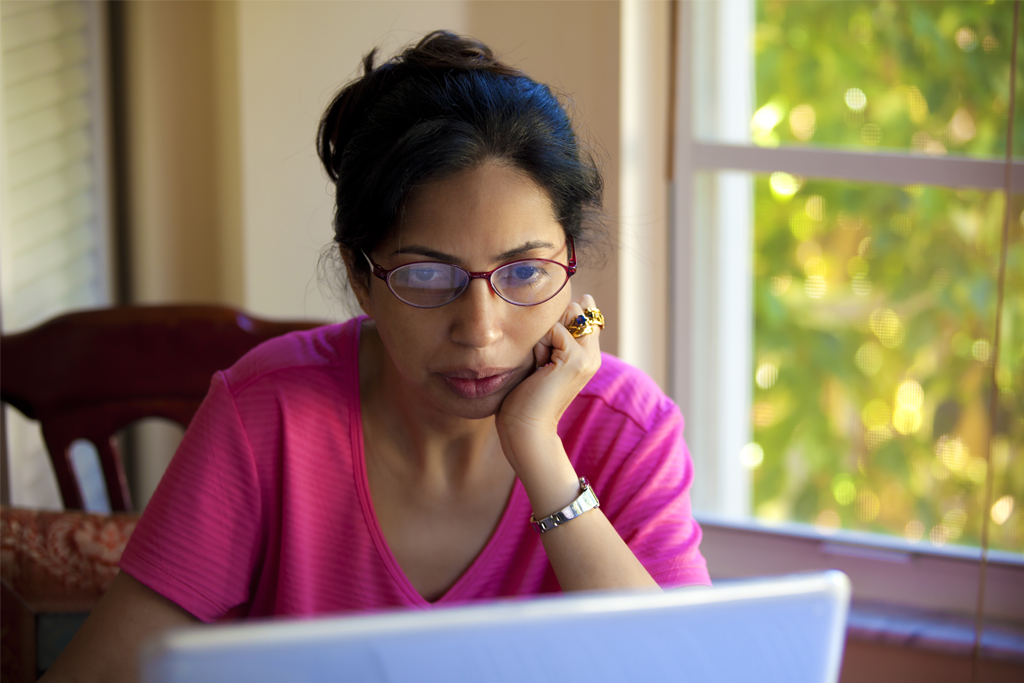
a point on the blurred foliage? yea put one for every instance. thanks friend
(875, 305)
(929, 76)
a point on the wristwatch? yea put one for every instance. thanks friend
(587, 500)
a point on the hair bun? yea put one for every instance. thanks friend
(437, 51)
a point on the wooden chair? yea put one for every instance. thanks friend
(86, 375)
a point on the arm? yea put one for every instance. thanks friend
(106, 648)
(587, 553)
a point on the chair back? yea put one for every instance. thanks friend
(85, 375)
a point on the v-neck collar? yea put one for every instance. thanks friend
(456, 591)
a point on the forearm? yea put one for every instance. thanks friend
(587, 552)
(106, 648)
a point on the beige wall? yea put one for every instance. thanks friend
(292, 58)
(171, 162)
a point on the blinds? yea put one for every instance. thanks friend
(54, 227)
(56, 235)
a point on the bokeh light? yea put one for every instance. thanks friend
(921, 141)
(843, 489)
(887, 326)
(802, 121)
(865, 249)
(815, 286)
(961, 127)
(827, 521)
(869, 358)
(780, 284)
(763, 414)
(784, 185)
(917, 105)
(981, 350)
(751, 456)
(952, 452)
(868, 506)
(907, 416)
(913, 531)
(939, 535)
(877, 437)
(954, 521)
(990, 44)
(861, 284)
(801, 225)
(767, 373)
(855, 99)
(763, 122)
(814, 207)
(871, 134)
(966, 39)
(1002, 509)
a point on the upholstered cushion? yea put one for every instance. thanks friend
(61, 558)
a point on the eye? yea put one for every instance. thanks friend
(423, 274)
(523, 274)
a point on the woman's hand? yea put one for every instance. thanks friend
(528, 419)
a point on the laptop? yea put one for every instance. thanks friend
(786, 629)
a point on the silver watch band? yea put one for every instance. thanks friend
(587, 500)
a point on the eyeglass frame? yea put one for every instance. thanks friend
(570, 270)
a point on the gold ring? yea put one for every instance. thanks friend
(595, 317)
(579, 326)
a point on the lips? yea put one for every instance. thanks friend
(477, 384)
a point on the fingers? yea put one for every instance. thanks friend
(574, 311)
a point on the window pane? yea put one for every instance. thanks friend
(929, 77)
(874, 316)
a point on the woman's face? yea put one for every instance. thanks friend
(466, 356)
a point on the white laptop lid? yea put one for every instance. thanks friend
(787, 629)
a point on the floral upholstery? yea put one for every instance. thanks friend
(52, 556)
(51, 564)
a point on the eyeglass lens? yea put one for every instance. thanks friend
(434, 284)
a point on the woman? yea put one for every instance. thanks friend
(398, 460)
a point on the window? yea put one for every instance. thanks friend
(55, 217)
(838, 205)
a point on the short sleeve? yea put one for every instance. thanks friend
(199, 538)
(629, 443)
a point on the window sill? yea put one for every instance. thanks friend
(933, 631)
(883, 570)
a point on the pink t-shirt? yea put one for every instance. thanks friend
(265, 508)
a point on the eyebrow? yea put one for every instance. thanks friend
(521, 250)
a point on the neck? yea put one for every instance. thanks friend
(408, 435)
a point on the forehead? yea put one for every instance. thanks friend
(487, 209)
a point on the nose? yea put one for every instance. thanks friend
(477, 316)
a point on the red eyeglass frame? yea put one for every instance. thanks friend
(570, 269)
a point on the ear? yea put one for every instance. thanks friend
(359, 283)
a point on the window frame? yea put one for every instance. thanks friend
(711, 326)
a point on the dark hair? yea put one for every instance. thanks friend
(437, 108)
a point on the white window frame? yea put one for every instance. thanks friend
(711, 328)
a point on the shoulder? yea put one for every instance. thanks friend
(319, 348)
(621, 389)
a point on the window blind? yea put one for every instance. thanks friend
(54, 207)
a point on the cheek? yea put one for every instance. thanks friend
(540, 319)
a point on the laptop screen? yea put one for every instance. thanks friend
(786, 629)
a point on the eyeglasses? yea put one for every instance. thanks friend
(429, 284)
